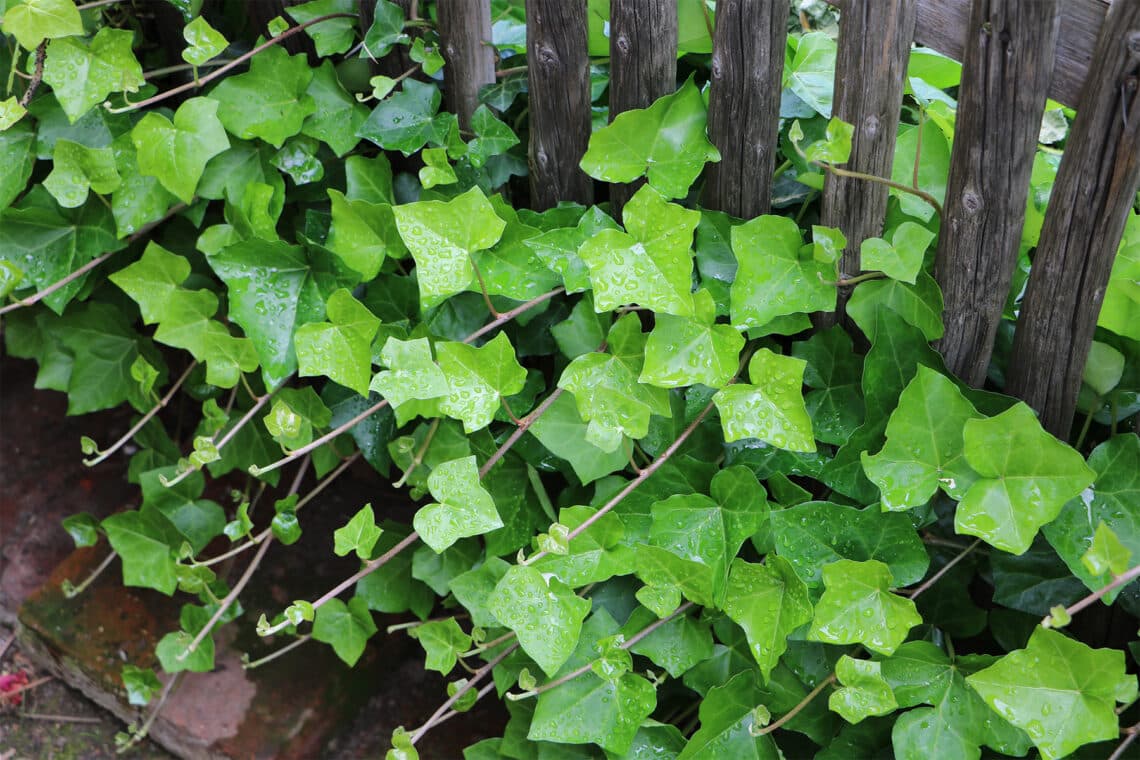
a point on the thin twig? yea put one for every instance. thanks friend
(1117, 582)
(37, 74)
(523, 425)
(934, 202)
(157, 73)
(796, 710)
(77, 590)
(1130, 736)
(279, 653)
(507, 316)
(944, 569)
(478, 676)
(26, 687)
(418, 459)
(127, 436)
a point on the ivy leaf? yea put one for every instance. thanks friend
(144, 541)
(1109, 502)
(777, 274)
(1059, 691)
(684, 351)
(139, 199)
(443, 641)
(590, 709)
(340, 348)
(347, 627)
(171, 648)
(558, 248)
(463, 508)
(404, 121)
(10, 112)
(1120, 311)
(286, 528)
(561, 430)
(835, 148)
(728, 718)
(176, 153)
(17, 152)
(511, 268)
(865, 692)
(522, 597)
(772, 408)
(198, 520)
(298, 159)
(933, 167)
(203, 41)
(595, 555)
(857, 607)
(651, 264)
(359, 534)
(82, 73)
(104, 348)
(337, 116)
(768, 601)
(411, 373)
(34, 20)
(141, 684)
(331, 37)
(77, 169)
(834, 372)
(391, 587)
(387, 30)
(1026, 476)
(492, 137)
(436, 169)
(1106, 554)
(666, 142)
(270, 101)
(477, 379)
(82, 528)
(363, 234)
(919, 304)
(811, 73)
(924, 449)
(676, 646)
(442, 235)
(901, 259)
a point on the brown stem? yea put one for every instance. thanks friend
(944, 569)
(799, 707)
(523, 425)
(127, 436)
(1130, 736)
(883, 181)
(1117, 582)
(478, 676)
(37, 74)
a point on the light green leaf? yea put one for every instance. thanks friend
(404, 121)
(919, 304)
(1104, 368)
(933, 167)
(777, 274)
(298, 159)
(684, 351)
(347, 627)
(477, 379)
(411, 373)
(363, 234)
(811, 75)
(858, 607)
(835, 148)
(522, 597)
(561, 430)
(676, 645)
(176, 153)
(772, 408)
(595, 555)
(359, 534)
(666, 142)
(11, 111)
(83, 73)
(270, 101)
(436, 169)
(1059, 691)
(337, 116)
(18, 155)
(76, 169)
(203, 41)
(331, 37)
(34, 20)
(1026, 476)
(594, 710)
(442, 235)
(558, 248)
(768, 601)
(924, 449)
(728, 720)
(1120, 311)
(141, 684)
(171, 649)
(651, 264)
(144, 541)
(443, 641)
(82, 528)
(463, 508)
(901, 259)
(492, 137)
(1106, 554)
(340, 348)
(865, 692)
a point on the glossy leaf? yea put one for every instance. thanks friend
(270, 101)
(857, 607)
(341, 347)
(411, 373)
(176, 152)
(865, 692)
(594, 710)
(77, 169)
(919, 304)
(143, 539)
(545, 613)
(34, 20)
(684, 351)
(330, 37)
(404, 121)
(82, 73)
(562, 431)
(463, 507)
(812, 71)
(203, 41)
(1120, 311)
(359, 534)
(901, 259)
(478, 379)
(834, 374)
(443, 641)
(772, 407)
(558, 248)
(337, 116)
(346, 627)
(728, 719)
(768, 601)
(1026, 476)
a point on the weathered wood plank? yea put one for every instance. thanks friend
(744, 104)
(1004, 78)
(643, 63)
(465, 36)
(870, 70)
(1096, 184)
(558, 71)
(941, 25)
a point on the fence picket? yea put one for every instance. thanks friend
(465, 34)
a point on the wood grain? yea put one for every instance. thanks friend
(465, 36)
(1008, 61)
(1091, 199)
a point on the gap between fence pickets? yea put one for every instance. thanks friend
(942, 24)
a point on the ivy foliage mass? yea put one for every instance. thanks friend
(657, 513)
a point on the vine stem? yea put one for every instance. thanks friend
(26, 687)
(229, 66)
(479, 675)
(1117, 582)
(1130, 736)
(944, 569)
(245, 577)
(42, 294)
(624, 645)
(279, 653)
(523, 425)
(142, 731)
(883, 181)
(74, 592)
(142, 422)
(418, 459)
(796, 710)
(37, 74)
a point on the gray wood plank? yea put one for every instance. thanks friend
(465, 36)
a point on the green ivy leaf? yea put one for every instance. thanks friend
(173, 646)
(777, 274)
(834, 372)
(241, 526)
(522, 597)
(772, 408)
(82, 528)
(1026, 476)
(11, 111)
(391, 587)
(331, 37)
(83, 73)
(144, 540)
(901, 259)
(811, 74)
(594, 710)
(203, 41)
(477, 379)
(404, 121)
(411, 373)
(141, 684)
(387, 30)
(728, 719)
(835, 148)
(666, 142)
(768, 601)
(442, 235)
(197, 520)
(857, 607)
(511, 268)
(340, 348)
(270, 101)
(924, 449)
(177, 152)
(359, 534)
(684, 351)
(474, 587)
(933, 167)
(347, 627)
(919, 304)
(298, 159)
(595, 555)
(337, 116)
(436, 169)
(77, 169)
(17, 152)
(651, 264)
(561, 430)
(363, 234)
(1120, 311)
(104, 348)
(1106, 554)
(443, 641)
(676, 646)
(865, 692)
(285, 526)
(492, 137)
(31, 21)
(558, 248)
(1059, 691)
(463, 508)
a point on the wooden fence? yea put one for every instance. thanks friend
(1015, 53)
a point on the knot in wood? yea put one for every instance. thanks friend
(547, 56)
(871, 126)
(971, 202)
(623, 43)
(1132, 42)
